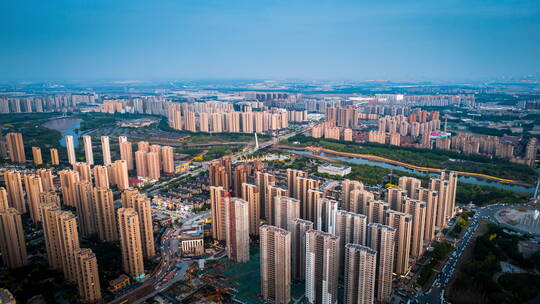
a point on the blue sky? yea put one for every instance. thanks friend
(183, 39)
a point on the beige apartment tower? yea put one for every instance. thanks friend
(101, 176)
(131, 198)
(275, 264)
(130, 243)
(417, 209)
(106, 150)
(381, 238)
(298, 231)
(36, 156)
(346, 187)
(402, 222)
(15, 145)
(237, 229)
(360, 273)
(47, 180)
(88, 280)
(14, 189)
(126, 152)
(55, 159)
(409, 184)
(33, 188)
(359, 201)
(70, 148)
(286, 209)
(105, 217)
(88, 150)
(167, 159)
(217, 210)
(250, 193)
(4, 204)
(84, 171)
(351, 228)
(122, 178)
(272, 192)
(140, 163)
(12, 241)
(322, 267)
(68, 182)
(431, 198)
(153, 164)
(86, 209)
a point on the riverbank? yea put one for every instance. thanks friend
(419, 159)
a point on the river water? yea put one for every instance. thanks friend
(468, 179)
(67, 126)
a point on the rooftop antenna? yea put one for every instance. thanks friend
(256, 142)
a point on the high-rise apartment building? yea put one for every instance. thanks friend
(86, 209)
(131, 198)
(130, 243)
(409, 184)
(46, 179)
(431, 198)
(360, 274)
(167, 158)
(55, 159)
(346, 187)
(84, 171)
(101, 176)
(33, 188)
(286, 209)
(250, 193)
(12, 241)
(301, 190)
(292, 174)
(376, 211)
(106, 150)
(153, 164)
(62, 240)
(395, 198)
(4, 204)
(272, 191)
(402, 222)
(15, 146)
(143, 146)
(381, 238)
(417, 209)
(88, 276)
(326, 215)
(111, 173)
(36, 156)
(105, 217)
(14, 189)
(122, 178)
(358, 201)
(322, 267)
(70, 148)
(443, 189)
(350, 228)
(275, 264)
(88, 149)
(126, 153)
(140, 163)
(240, 176)
(217, 209)
(237, 229)
(310, 204)
(68, 182)
(452, 179)
(298, 231)
(264, 181)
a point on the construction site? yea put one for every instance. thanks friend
(224, 281)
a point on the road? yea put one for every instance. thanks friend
(157, 281)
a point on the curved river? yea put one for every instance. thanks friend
(67, 126)
(362, 161)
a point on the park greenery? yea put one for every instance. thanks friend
(480, 279)
(428, 158)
